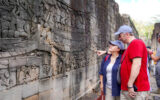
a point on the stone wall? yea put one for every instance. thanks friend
(127, 20)
(154, 40)
(47, 46)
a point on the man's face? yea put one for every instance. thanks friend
(122, 37)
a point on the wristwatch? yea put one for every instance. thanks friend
(129, 87)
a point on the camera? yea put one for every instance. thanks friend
(135, 88)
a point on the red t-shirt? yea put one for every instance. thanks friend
(136, 48)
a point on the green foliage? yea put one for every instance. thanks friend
(144, 29)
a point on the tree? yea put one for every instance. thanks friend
(145, 30)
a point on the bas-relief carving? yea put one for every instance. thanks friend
(25, 18)
(27, 73)
(45, 71)
(7, 79)
(56, 16)
(4, 76)
(59, 16)
(56, 13)
(15, 18)
(60, 63)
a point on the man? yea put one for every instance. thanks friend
(134, 66)
(156, 58)
(149, 59)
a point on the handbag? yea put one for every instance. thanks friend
(118, 75)
(102, 96)
(119, 70)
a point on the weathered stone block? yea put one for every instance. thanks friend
(5, 54)
(57, 95)
(3, 63)
(45, 84)
(32, 47)
(12, 94)
(57, 84)
(19, 50)
(29, 89)
(46, 95)
(17, 62)
(31, 60)
(67, 84)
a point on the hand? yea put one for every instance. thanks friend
(100, 52)
(131, 92)
(101, 87)
(150, 51)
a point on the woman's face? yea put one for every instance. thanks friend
(113, 48)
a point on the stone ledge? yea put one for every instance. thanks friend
(32, 46)
(4, 63)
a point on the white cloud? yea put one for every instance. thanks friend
(141, 10)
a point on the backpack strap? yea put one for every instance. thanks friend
(106, 58)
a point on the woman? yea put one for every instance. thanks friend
(108, 71)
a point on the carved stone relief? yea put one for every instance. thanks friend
(45, 71)
(16, 18)
(27, 73)
(7, 79)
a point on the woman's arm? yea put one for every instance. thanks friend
(100, 52)
(101, 82)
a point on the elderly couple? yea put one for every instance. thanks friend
(133, 71)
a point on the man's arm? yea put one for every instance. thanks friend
(136, 65)
(155, 58)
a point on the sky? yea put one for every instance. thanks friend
(141, 10)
